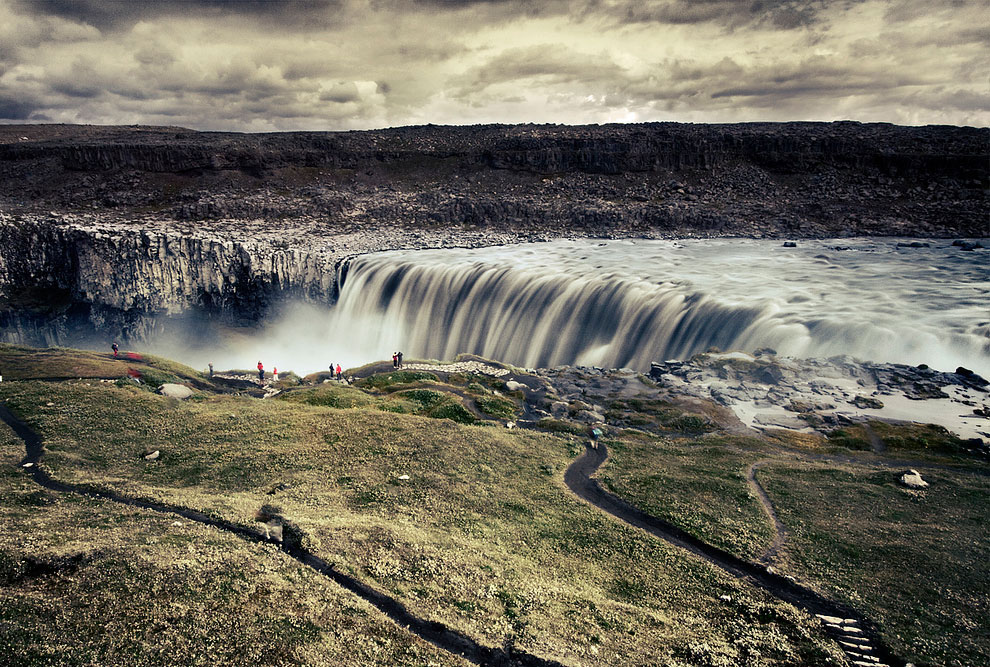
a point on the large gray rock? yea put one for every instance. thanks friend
(512, 385)
(559, 409)
(175, 390)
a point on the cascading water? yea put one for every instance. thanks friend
(627, 303)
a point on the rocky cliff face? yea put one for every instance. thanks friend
(122, 280)
(112, 225)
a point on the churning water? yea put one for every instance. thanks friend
(627, 303)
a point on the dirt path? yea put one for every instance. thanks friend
(434, 632)
(856, 635)
(779, 529)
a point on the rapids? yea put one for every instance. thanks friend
(629, 302)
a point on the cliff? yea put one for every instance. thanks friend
(111, 226)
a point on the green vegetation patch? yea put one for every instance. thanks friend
(914, 562)
(657, 415)
(438, 405)
(700, 488)
(468, 526)
(496, 406)
(396, 379)
(329, 395)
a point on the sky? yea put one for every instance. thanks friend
(275, 65)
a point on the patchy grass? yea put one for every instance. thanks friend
(131, 587)
(387, 382)
(913, 561)
(700, 488)
(330, 395)
(482, 536)
(902, 438)
(656, 415)
(496, 406)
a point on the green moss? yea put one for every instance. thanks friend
(496, 406)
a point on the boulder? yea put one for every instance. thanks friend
(512, 385)
(912, 480)
(559, 409)
(867, 403)
(770, 375)
(175, 390)
(589, 417)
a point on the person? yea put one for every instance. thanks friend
(275, 373)
(395, 360)
(115, 349)
(399, 359)
(261, 372)
(211, 369)
(595, 432)
(340, 372)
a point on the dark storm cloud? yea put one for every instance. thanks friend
(785, 14)
(15, 107)
(112, 14)
(340, 64)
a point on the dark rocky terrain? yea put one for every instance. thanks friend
(789, 179)
(105, 226)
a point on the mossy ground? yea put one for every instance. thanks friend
(483, 536)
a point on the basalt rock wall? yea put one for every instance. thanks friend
(57, 279)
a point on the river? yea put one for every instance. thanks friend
(625, 303)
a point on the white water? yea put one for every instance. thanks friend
(627, 303)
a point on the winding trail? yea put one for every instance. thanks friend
(856, 635)
(779, 529)
(434, 632)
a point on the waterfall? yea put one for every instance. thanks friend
(580, 305)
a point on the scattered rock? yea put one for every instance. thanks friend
(172, 390)
(151, 456)
(867, 403)
(512, 385)
(403, 477)
(790, 244)
(510, 425)
(912, 479)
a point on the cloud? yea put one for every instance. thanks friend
(121, 14)
(345, 64)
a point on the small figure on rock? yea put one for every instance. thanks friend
(395, 360)
(115, 349)
(399, 359)
(340, 372)
(261, 372)
(275, 373)
(211, 368)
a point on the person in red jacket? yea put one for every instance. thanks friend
(261, 372)
(339, 372)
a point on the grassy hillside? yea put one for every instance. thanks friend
(466, 524)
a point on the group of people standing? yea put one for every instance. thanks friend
(396, 360)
